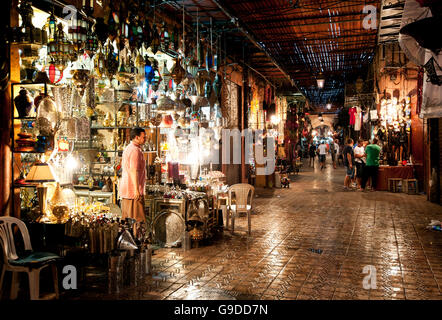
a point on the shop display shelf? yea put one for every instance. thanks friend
(17, 185)
(14, 151)
(111, 128)
(25, 118)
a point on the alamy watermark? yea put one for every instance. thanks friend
(370, 21)
(258, 148)
(369, 281)
(70, 280)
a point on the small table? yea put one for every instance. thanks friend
(388, 172)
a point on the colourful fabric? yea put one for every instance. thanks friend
(133, 158)
(358, 119)
(373, 151)
(352, 113)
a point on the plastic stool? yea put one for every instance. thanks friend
(410, 185)
(393, 184)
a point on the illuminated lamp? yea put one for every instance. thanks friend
(320, 81)
(55, 73)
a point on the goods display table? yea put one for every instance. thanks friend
(386, 172)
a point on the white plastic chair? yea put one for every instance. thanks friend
(32, 263)
(241, 192)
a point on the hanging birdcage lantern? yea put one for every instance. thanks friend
(178, 72)
(165, 75)
(54, 72)
(59, 48)
(111, 61)
(77, 32)
(192, 68)
(99, 63)
(52, 30)
(91, 44)
(164, 38)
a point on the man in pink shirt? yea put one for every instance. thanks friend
(133, 179)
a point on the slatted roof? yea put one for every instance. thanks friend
(298, 39)
(289, 42)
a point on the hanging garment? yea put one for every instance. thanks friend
(358, 116)
(352, 112)
(373, 115)
(366, 117)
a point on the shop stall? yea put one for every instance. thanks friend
(85, 82)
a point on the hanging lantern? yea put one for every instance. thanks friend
(359, 84)
(207, 89)
(54, 72)
(139, 35)
(164, 38)
(99, 63)
(88, 7)
(78, 31)
(217, 87)
(192, 68)
(52, 22)
(111, 61)
(156, 80)
(139, 64)
(200, 53)
(155, 44)
(149, 72)
(195, 116)
(209, 60)
(91, 44)
(200, 82)
(320, 81)
(165, 75)
(178, 72)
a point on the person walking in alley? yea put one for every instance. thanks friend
(322, 154)
(334, 148)
(372, 152)
(349, 162)
(312, 155)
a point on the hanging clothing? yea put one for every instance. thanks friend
(352, 113)
(358, 119)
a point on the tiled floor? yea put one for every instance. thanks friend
(354, 231)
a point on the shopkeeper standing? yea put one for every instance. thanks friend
(133, 179)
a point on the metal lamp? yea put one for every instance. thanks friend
(320, 81)
(40, 173)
